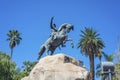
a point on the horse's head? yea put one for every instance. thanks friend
(67, 27)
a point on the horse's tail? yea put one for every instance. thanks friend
(42, 50)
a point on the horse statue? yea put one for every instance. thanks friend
(57, 38)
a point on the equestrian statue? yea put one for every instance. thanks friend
(57, 38)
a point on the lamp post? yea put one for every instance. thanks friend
(107, 69)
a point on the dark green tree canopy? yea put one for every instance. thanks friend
(14, 38)
(7, 68)
(90, 42)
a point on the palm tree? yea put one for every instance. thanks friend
(98, 68)
(91, 45)
(14, 39)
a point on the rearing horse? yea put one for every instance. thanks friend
(58, 38)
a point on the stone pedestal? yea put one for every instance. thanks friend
(58, 67)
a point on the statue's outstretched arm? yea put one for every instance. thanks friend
(51, 22)
(52, 26)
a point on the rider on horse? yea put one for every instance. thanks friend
(54, 31)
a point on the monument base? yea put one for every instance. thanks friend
(58, 67)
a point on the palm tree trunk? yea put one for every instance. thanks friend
(11, 53)
(92, 72)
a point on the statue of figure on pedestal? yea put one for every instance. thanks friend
(57, 38)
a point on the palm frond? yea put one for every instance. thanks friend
(111, 57)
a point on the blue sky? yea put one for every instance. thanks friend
(32, 18)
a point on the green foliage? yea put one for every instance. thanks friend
(14, 38)
(7, 68)
(90, 42)
(27, 67)
(9, 71)
(109, 57)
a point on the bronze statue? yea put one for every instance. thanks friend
(57, 38)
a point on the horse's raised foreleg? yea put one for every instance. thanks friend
(69, 39)
(52, 52)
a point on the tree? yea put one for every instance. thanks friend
(7, 67)
(118, 51)
(117, 65)
(9, 71)
(91, 45)
(98, 68)
(14, 39)
(117, 70)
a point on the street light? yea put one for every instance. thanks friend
(108, 69)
